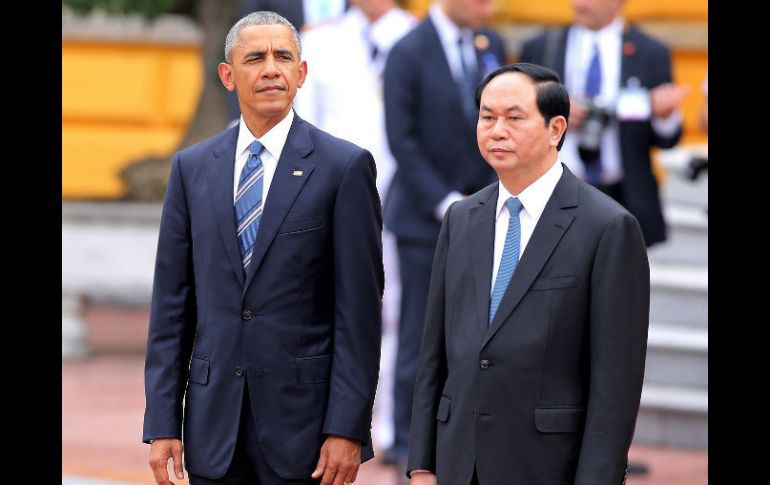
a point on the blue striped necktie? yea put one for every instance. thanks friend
(510, 255)
(248, 203)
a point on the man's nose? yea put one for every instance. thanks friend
(270, 68)
(498, 129)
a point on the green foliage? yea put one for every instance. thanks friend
(147, 8)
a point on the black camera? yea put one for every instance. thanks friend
(590, 143)
(695, 167)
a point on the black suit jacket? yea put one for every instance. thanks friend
(548, 394)
(432, 141)
(302, 328)
(650, 62)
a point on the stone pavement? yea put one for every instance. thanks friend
(103, 403)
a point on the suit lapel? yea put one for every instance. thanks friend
(440, 69)
(629, 63)
(482, 233)
(284, 189)
(219, 177)
(556, 58)
(549, 230)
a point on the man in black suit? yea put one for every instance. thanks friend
(607, 64)
(532, 359)
(430, 118)
(264, 336)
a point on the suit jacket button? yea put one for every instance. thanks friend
(238, 371)
(247, 314)
(484, 364)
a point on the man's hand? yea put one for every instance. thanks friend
(424, 478)
(666, 97)
(339, 461)
(160, 451)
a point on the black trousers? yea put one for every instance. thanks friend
(249, 466)
(414, 261)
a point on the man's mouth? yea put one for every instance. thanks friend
(272, 87)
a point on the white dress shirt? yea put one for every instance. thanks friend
(448, 34)
(579, 52)
(533, 200)
(273, 141)
(342, 93)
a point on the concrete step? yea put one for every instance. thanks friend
(673, 416)
(677, 356)
(679, 294)
(687, 237)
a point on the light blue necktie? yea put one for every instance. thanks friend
(248, 203)
(510, 255)
(593, 88)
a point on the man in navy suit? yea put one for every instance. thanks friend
(265, 318)
(532, 359)
(430, 116)
(631, 81)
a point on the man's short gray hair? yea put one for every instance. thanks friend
(264, 17)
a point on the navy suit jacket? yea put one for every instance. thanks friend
(548, 393)
(433, 142)
(650, 62)
(302, 328)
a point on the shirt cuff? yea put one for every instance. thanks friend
(667, 127)
(442, 207)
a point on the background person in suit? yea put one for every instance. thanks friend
(266, 322)
(358, 43)
(535, 338)
(607, 64)
(430, 118)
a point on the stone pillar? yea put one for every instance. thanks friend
(73, 328)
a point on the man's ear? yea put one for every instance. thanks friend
(225, 71)
(557, 126)
(302, 73)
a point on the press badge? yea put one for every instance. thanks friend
(633, 102)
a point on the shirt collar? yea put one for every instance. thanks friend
(273, 140)
(612, 29)
(447, 30)
(536, 195)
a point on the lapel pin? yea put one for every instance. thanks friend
(481, 42)
(297, 173)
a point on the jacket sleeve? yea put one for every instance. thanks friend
(432, 369)
(358, 287)
(172, 317)
(662, 68)
(619, 316)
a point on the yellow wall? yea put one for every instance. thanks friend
(121, 102)
(560, 11)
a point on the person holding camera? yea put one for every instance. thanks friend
(622, 104)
